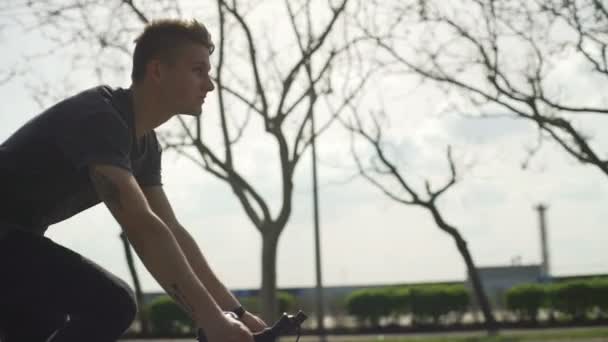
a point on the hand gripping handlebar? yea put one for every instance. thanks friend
(285, 325)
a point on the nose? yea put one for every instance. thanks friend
(210, 85)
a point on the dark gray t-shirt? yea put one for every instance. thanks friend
(44, 177)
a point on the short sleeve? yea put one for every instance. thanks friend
(150, 173)
(101, 137)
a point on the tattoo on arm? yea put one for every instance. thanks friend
(107, 190)
(181, 299)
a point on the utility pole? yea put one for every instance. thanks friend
(320, 306)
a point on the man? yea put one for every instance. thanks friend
(100, 145)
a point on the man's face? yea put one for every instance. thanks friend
(186, 83)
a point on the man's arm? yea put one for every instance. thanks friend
(160, 205)
(154, 243)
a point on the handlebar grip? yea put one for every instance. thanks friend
(267, 335)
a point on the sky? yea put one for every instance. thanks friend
(366, 238)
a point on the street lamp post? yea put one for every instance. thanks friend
(319, 297)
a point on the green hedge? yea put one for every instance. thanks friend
(287, 302)
(526, 300)
(166, 317)
(599, 289)
(425, 303)
(439, 303)
(370, 305)
(572, 300)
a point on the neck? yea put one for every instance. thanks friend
(148, 111)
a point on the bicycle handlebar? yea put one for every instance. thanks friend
(285, 324)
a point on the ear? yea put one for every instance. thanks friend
(154, 70)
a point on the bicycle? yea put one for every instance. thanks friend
(285, 324)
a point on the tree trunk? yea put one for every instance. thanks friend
(482, 299)
(480, 295)
(268, 294)
(139, 294)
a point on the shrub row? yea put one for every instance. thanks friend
(575, 300)
(435, 303)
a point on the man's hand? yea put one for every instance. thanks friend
(253, 322)
(228, 329)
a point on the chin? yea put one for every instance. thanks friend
(195, 112)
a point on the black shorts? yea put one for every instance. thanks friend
(48, 289)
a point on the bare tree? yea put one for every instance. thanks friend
(277, 87)
(7, 72)
(298, 91)
(503, 56)
(381, 168)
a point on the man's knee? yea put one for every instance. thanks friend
(118, 307)
(126, 307)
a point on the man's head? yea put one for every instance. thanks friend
(172, 56)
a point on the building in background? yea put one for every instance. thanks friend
(496, 281)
